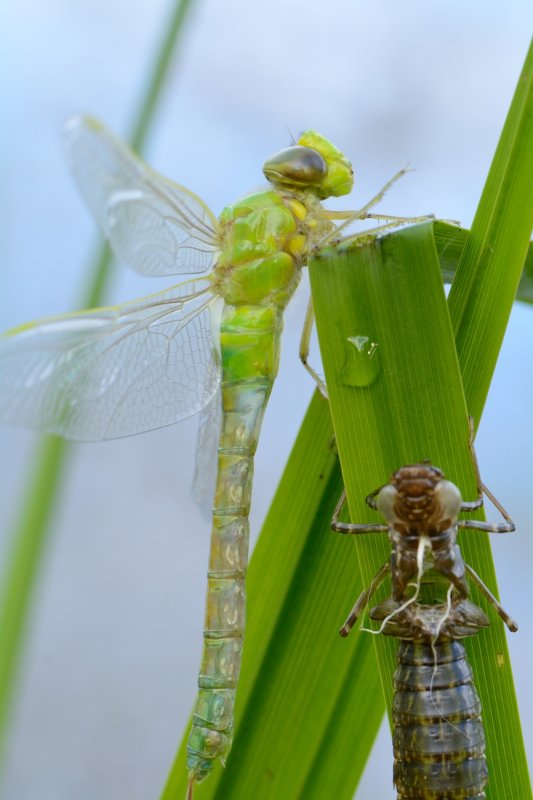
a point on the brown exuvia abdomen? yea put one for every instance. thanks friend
(439, 742)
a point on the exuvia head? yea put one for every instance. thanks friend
(313, 163)
(419, 495)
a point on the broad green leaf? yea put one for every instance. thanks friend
(396, 398)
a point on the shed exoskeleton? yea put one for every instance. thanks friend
(438, 737)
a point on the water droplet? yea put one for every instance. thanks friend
(362, 363)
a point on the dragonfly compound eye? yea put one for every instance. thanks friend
(296, 166)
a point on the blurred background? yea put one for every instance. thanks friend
(110, 665)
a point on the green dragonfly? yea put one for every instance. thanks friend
(209, 343)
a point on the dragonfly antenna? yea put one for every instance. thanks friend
(293, 140)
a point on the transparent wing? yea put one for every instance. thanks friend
(153, 224)
(205, 472)
(112, 371)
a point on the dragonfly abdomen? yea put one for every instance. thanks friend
(243, 405)
(439, 742)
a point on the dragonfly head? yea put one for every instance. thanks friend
(313, 163)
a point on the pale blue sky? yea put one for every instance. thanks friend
(121, 594)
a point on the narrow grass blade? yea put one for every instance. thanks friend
(480, 302)
(491, 264)
(22, 565)
(451, 241)
(32, 527)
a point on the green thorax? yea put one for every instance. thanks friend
(266, 239)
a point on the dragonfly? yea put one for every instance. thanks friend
(438, 736)
(209, 344)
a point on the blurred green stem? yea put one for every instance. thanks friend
(32, 526)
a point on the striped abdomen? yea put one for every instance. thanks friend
(212, 729)
(438, 739)
(250, 350)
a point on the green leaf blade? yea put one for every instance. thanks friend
(414, 409)
(491, 264)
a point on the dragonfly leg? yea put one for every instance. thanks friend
(364, 235)
(363, 213)
(478, 502)
(383, 191)
(487, 527)
(422, 218)
(506, 527)
(364, 597)
(352, 528)
(400, 220)
(485, 591)
(370, 499)
(393, 221)
(304, 348)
